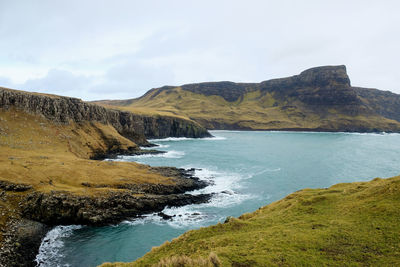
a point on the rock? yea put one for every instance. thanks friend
(8, 186)
(62, 208)
(22, 244)
(165, 216)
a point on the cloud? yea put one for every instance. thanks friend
(120, 49)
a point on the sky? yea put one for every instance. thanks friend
(97, 49)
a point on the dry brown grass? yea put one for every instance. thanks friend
(56, 157)
(49, 156)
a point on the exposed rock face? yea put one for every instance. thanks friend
(332, 84)
(63, 208)
(384, 103)
(22, 243)
(135, 127)
(324, 86)
(8, 186)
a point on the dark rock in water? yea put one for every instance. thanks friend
(165, 216)
(227, 192)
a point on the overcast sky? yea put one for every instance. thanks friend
(120, 49)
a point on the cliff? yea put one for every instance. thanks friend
(317, 99)
(65, 109)
(48, 175)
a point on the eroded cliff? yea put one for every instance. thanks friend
(134, 127)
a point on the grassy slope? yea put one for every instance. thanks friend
(37, 152)
(354, 224)
(254, 111)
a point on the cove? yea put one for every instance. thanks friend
(247, 170)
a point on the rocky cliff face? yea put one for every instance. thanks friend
(135, 127)
(327, 85)
(384, 103)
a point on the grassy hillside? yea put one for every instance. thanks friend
(354, 224)
(317, 99)
(37, 154)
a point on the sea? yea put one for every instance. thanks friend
(246, 170)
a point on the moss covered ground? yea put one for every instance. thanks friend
(349, 224)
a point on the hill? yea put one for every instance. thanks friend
(318, 99)
(352, 224)
(48, 175)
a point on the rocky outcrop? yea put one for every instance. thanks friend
(62, 208)
(132, 126)
(34, 212)
(22, 242)
(330, 85)
(59, 207)
(321, 86)
(384, 103)
(14, 187)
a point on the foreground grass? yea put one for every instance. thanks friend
(354, 224)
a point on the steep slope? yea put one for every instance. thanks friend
(48, 175)
(132, 126)
(355, 224)
(319, 99)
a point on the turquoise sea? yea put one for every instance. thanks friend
(248, 170)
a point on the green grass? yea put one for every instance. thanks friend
(355, 224)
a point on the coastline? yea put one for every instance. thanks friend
(36, 213)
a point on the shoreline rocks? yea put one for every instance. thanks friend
(39, 212)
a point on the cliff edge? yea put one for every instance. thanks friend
(317, 99)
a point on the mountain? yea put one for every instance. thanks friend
(350, 224)
(318, 99)
(48, 175)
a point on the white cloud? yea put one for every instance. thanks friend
(120, 49)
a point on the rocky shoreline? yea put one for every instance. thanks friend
(38, 212)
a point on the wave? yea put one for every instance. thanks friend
(157, 147)
(50, 248)
(225, 189)
(172, 154)
(168, 139)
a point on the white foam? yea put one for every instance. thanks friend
(156, 147)
(224, 187)
(214, 138)
(162, 146)
(172, 154)
(49, 251)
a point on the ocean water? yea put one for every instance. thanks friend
(248, 170)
